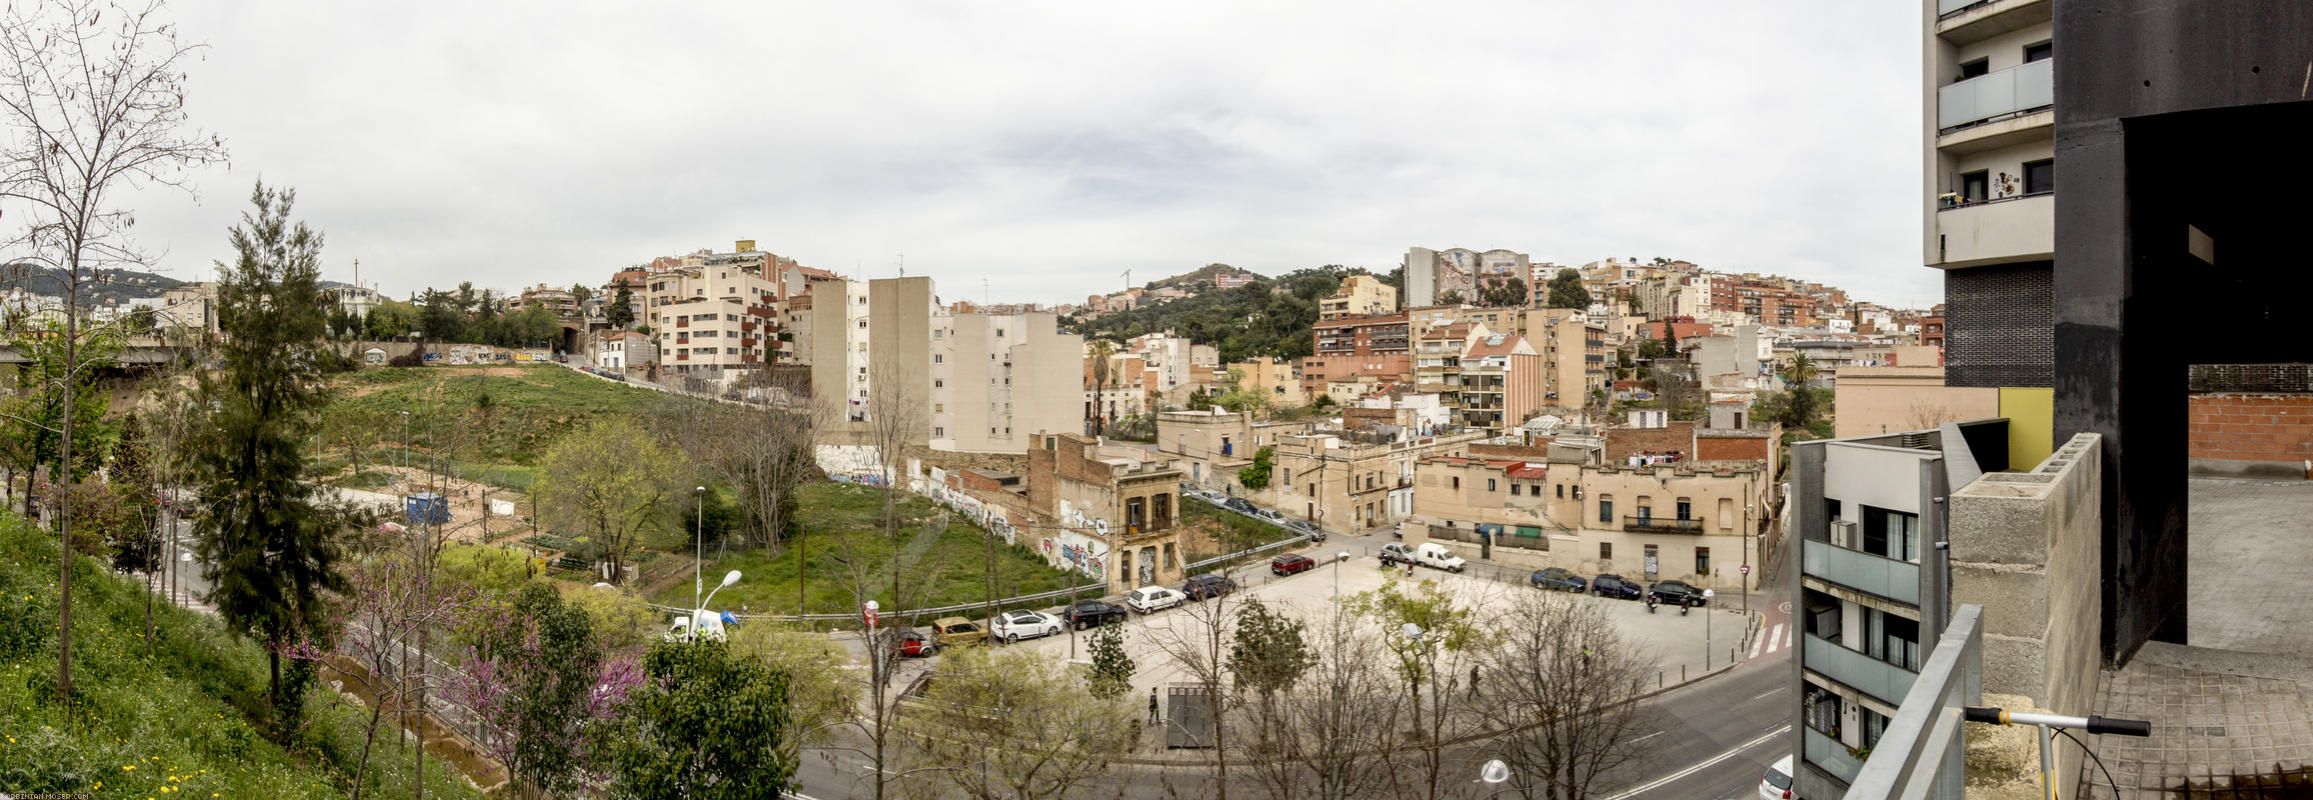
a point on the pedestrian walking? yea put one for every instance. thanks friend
(1473, 682)
(1153, 719)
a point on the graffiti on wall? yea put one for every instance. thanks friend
(1077, 557)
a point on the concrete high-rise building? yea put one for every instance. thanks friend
(958, 381)
(1990, 208)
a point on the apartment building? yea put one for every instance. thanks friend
(1990, 214)
(712, 320)
(1122, 391)
(190, 307)
(621, 350)
(1502, 379)
(558, 300)
(1347, 481)
(960, 381)
(1572, 347)
(355, 300)
(1276, 379)
(1215, 444)
(1871, 588)
(1351, 347)
(1359, 296)
(1431, 275)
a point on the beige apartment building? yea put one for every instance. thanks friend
(1275, 379)
(1215, 444)
(1353, 482)
(1359, 296)
(711, 321)
(960, 381)
(1573, 347)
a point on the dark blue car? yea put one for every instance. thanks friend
(1556, 579)
(1614, 586)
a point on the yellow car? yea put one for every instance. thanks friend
(951, 631)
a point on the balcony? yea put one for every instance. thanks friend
(1860, 571)
(1997, 231)
(1829, 755)
(1997, 96)
(1857, 671)
(1652, 524)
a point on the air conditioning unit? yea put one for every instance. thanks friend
(1843, 533)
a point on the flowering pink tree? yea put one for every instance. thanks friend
(386, 611)
(544, 691)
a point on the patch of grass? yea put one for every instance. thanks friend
(526, 413)
(191, 717)
(955, 561)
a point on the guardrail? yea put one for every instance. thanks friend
(1920, 754)
(913, 612)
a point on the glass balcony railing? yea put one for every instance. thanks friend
(1944, 7)
(1885, 577)
(2000, 94)
(1827, 753)
(1865, 674)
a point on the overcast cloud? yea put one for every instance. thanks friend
(1049, 147)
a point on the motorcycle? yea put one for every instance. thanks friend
(1684, 605)
(1650, 604)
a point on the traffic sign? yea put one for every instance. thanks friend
(1746, 569)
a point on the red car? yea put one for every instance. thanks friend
(1290, 563)
(912, 643)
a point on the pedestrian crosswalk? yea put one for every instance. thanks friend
(1775, 639)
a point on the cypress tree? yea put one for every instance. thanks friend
(265, 543)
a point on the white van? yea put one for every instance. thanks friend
(1436, 556)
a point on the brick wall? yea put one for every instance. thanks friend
(1621, 443)
(1999, 326)
(2252, 427)
(2251, 378)
(1731, 448)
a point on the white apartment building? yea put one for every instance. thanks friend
(711, 321)
(969, 381)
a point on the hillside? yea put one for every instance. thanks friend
(1201, 279)
(119, 286)
(1262, 319)
(483, 416)
(186, 720)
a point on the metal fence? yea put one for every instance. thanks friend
(1919, 756)
(1100, 588)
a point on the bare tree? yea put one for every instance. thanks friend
(865, 563)
(1925, 414)
(1560, 696)
(1197, 638)
(94, 96)
(764, 449)
(1010, 724)
(1334, 732)
(1432, 636)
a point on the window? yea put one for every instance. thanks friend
(1975, 69)
(936, 357)
(1703, 561)
(1686, 509)
(939, 408)
(1606, 551)
(2040, 176)
(1975, 186)
(1561, 491)
(939, 383)
(938, 431)
(936, 333)
(1457, 482)
(1605, 510)
(2039, 52)
(1513, 490)
(1490, 485)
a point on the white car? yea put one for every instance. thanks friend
(1151, 599)
(1777, 783)
(1013, 626)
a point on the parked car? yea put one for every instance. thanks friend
(952, 631)
(1270, 514)
(1559, 580)
(1151, 599)
(1291, 563)
(916, 644)
(1395, 553)
(1211, 584)
(1776, 785)
(1013, 626)
(1436, 556)
(1675, 593)
(1209, 496)
(1092, 614)
(1302, 527)
(1615, 586)
(1240, 505)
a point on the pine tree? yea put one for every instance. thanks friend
(264, 542)
(1566, 290)
(621, 311)
(132, 475)
(1111, 668)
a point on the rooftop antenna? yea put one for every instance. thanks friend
(903, 265)
(1128, 279)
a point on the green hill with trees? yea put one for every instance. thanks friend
(1271, 317)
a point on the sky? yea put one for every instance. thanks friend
(1036, 151)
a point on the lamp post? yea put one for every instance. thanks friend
(405, 446)
(1337, 559)
(699, 552)
(1494, 773)
(1707, 630)
(1747, 509)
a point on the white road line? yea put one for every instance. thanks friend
(1774, 640)
(1764, 694)
(1659, 782)
(1756, 644)
(1792, 635)
(1646, 737)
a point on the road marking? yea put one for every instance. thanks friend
(1764, 694)
(1646, 737)
(1788, 637)
(1659, 782)
(1775, 639)
(1756, 644)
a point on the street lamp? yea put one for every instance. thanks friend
(1707, 630)
(1337, 559)
(699, 551)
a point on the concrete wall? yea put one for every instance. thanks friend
(2026, 547)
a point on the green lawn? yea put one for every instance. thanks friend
(952, 567)
(185, 721)
(525, 414)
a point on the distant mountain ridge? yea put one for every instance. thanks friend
(118, 287)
